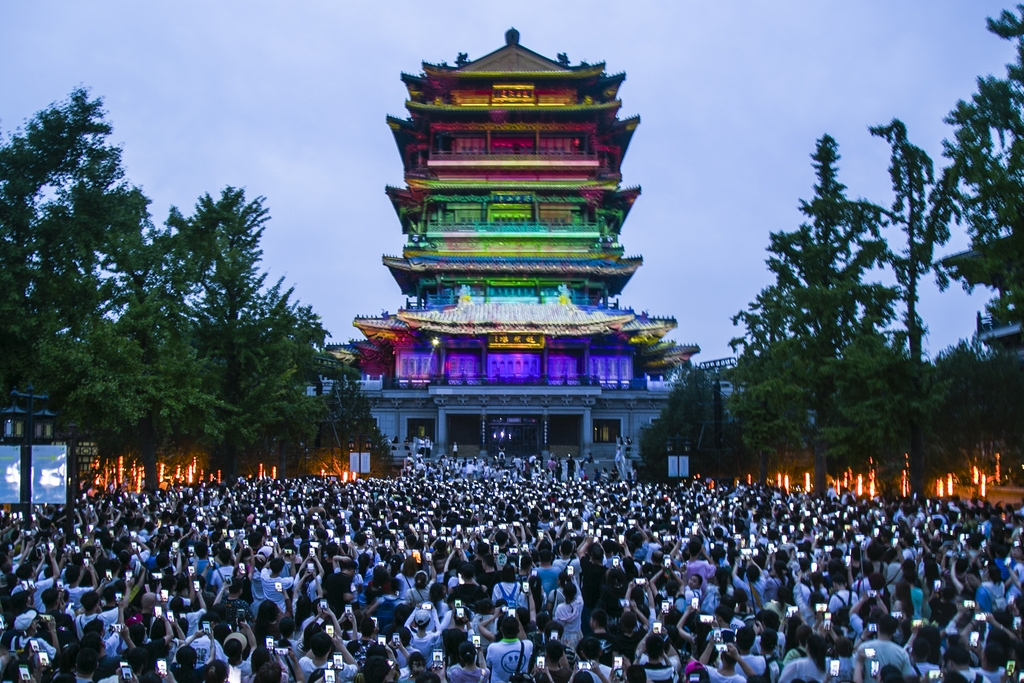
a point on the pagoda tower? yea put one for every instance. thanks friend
(511, 339)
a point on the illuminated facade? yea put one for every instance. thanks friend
(510, 337)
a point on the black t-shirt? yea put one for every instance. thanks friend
(607, 648)
(469, 593)
(488, 580)
(593, 578)
(336, 585)
(942, 612)
(626, 644)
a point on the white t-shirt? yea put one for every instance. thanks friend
(274, 588)
(503, 657)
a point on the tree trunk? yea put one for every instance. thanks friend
(916, 459)
(147, 448)
(820, 467)
(762, 476)
(282, 459)
(228, 464)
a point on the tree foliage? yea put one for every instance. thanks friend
(980, 412)
(921, 211)
(797, 329)
(985, 179)
(147, 336)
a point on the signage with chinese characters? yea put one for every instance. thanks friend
(505, 198)
(512, 94)
(516, 341)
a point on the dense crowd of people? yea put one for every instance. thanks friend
(431, 579)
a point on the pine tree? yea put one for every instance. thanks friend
(818, 307)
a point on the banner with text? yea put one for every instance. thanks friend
(49, 474)
(10, 474)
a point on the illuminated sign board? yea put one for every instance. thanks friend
(516, 341)
(512, 94)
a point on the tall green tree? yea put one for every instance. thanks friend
(90, 310)
(256, 344)
(921, 212)
(987, 155)
(688, 410)
(768, 402)
(980, 411)
(63, 201)
(820, 303)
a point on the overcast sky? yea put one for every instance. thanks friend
(288, 99)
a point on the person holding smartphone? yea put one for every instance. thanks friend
(470, 667)
(885, 651)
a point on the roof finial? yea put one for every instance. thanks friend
(511, 37)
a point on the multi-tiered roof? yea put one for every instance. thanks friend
(513, 204)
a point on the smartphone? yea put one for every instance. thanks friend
(164, 595)
(381, 640)
(935, 675)
(161, 667)
(975, 638)
(348, 609)
(330, 676)
(126, 671)
(437, 660)
(1011, 666)
(206, 627)
(665, 606)
(541, 660)
(269, 642)
(329, 630)
(936, 585)
(24, 673)
(869, 652)
(476, 643)
(281, 651)
(618, 662)
(158, 611)
(706, 619)
(44, 659)
(657, 628)
(582, 666)
(876, 666)
(833, 667)
(339, 661)
(278, 586)
(568, 570)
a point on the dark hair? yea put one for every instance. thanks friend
(216, 672)
(320, 644)
(86, 660)
(817, 650)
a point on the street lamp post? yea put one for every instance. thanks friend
(354, 441)
(72, 492)
(28, 426)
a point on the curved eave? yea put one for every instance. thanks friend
(412, 106)
(622, 132)
(408, 270)
(669, 355)
(572, 73)
(513, 185)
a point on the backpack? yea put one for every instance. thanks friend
(772, 668)
(521, 674)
